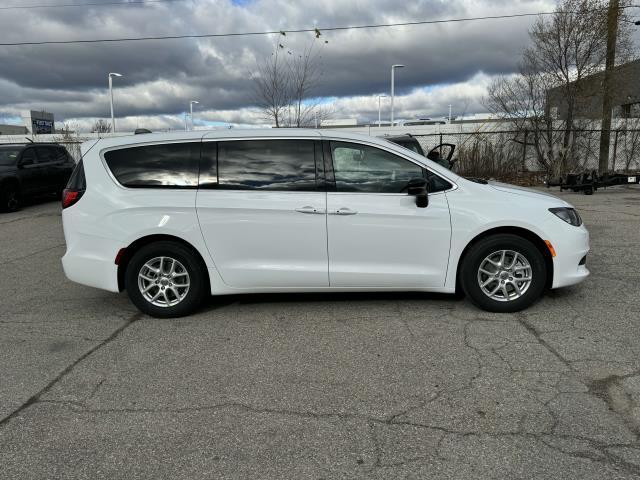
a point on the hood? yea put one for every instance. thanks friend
(526, 192)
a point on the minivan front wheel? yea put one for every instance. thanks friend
(503, 273)
(166, 279)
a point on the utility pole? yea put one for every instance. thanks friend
(113, 118)
(605, 135)
(393, 86)
(379, 114)
(191, 103)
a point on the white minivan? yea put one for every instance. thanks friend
(174, 217)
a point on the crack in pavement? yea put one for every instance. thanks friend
(602, 455)
(608, 389)
(40, 215)
(611, 390)
(36, 398)
(38, 252)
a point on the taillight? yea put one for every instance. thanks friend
(70, 197)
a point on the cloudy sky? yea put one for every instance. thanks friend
(445, 64)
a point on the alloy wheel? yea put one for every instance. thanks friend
(163, 281)
(505, 275)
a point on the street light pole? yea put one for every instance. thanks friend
(613, 16)
(191, 111)
(393, 69)
(113, 119)
(379, 118)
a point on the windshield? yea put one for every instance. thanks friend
(8, 156)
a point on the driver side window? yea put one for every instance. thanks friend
(361, 168)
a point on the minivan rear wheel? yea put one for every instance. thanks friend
(503, 273)
(165, 280)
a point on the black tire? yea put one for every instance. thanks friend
(197, 274)
(495, 243)
(10, 198)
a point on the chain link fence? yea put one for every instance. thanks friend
(512, 155)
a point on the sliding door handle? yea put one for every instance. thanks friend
(344, 211)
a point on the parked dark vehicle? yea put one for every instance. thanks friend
(441, 154)
(28, 170)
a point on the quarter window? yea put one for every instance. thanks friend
(436, 183)
(281, 165)
(173, 165)
(361, 168)
(61, 155)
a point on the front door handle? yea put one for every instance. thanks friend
(344, 211)
(310, 209)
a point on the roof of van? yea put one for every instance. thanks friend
(233, 133)
(230, 133)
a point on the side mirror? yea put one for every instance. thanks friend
(418, 188)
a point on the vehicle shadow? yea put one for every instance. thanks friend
(216, 302)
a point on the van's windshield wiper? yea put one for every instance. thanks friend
(477, 180)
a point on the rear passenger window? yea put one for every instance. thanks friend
(267, 165)
(173, 165)
(28, 157)
(45, 155)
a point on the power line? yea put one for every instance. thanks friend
(315, 30)
(103, 4)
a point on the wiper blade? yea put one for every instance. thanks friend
(482, 181)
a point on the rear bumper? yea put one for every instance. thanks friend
(571, 248)
(90, 260)
(91, 271)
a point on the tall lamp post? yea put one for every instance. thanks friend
(113, 119)
(393, 70)
(191, 110)
(379, 118)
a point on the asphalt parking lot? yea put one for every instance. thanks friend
(320, 386)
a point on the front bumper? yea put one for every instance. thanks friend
(571, 247)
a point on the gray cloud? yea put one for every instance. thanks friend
(161, 77)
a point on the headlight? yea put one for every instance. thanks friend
(567, 214)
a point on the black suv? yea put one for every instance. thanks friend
(32, 169)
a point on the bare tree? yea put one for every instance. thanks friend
(101, 126)
(304, 76)
(565, 49)
(630, 144)
(284, 84)
(271, 84)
